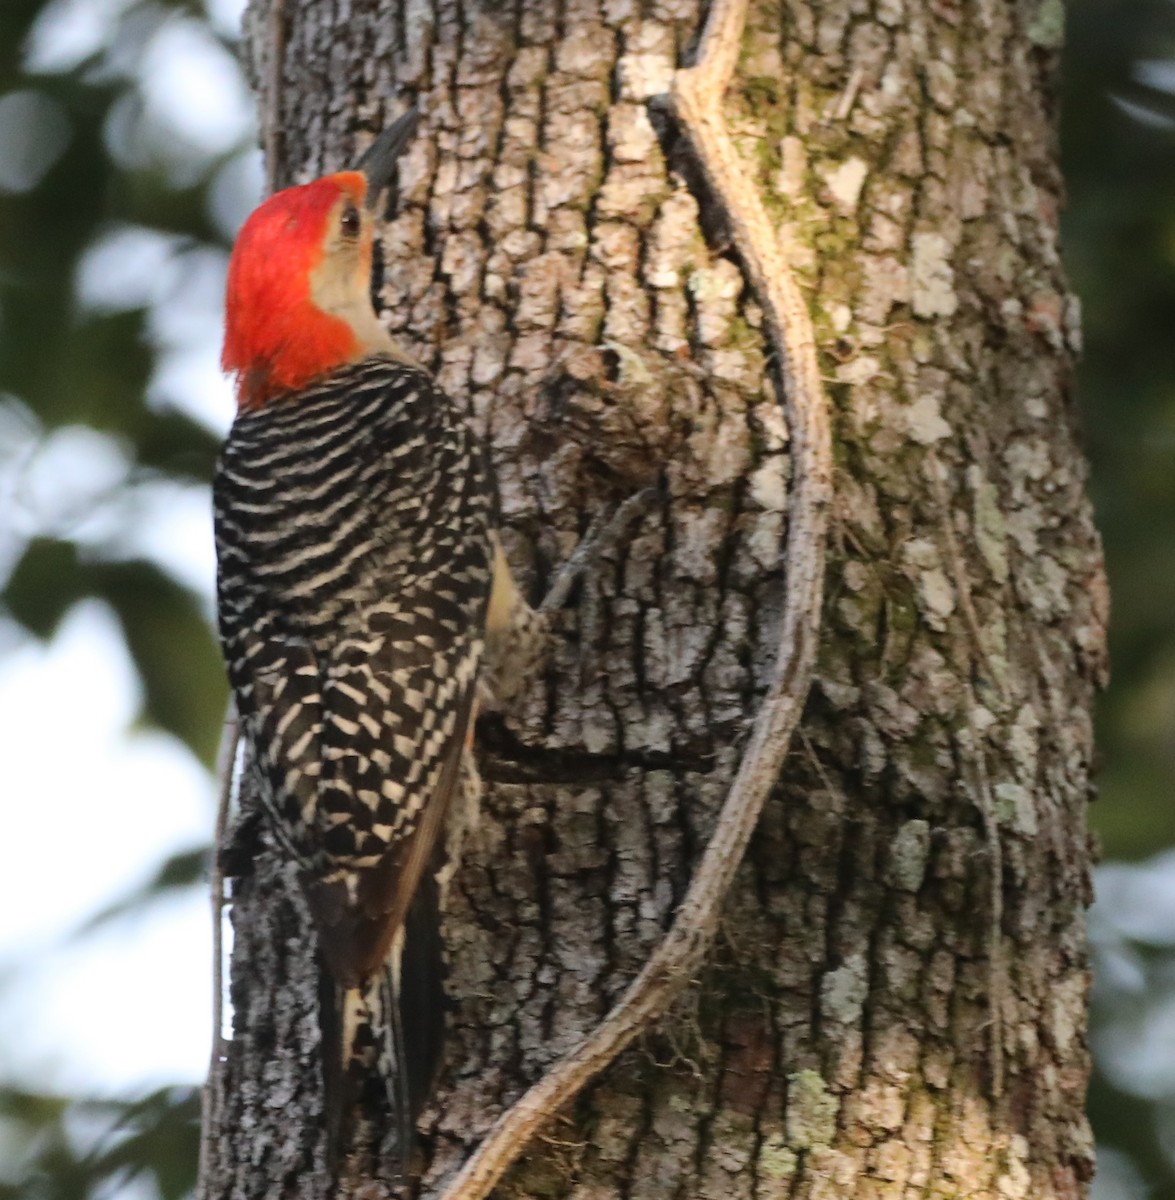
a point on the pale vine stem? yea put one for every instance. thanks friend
(696, 102)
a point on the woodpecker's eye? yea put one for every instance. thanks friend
(349, 222)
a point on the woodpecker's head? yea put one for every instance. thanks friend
(298, 300)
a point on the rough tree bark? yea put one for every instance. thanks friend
(896, 1003)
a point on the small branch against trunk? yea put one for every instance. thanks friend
(696, 103)
(586, 553)
(970, 743)
(226, 757)
(935, 473)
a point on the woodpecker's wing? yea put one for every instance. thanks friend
(396, 717)
(397, 713)
(283, 717)
(354, 534)
(276, 679)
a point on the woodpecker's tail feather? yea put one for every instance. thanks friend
(339, 1011)
(382, 1041)
(419, 994)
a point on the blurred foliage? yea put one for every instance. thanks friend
(68, 1149)
(166, 633)
(84, 160)
(177, 872)
(1118, 141)
(94, 161)
(1132, 1101)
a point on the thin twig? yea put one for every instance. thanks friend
(697, 105)
(935, 472)
(226, 757)
(971, 743)
(603, 532)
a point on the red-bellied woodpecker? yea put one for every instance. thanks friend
(359, 579)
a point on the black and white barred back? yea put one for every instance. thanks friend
(353, 531)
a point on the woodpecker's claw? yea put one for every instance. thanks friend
(379, 159)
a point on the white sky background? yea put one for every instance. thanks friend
(128, 1008)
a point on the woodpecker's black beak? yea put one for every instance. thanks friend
(379, 160)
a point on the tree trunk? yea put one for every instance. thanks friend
(896, 1005)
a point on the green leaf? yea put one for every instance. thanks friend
(180, 871)
(176, 445)
(174, 649)
(46, 582)
(172, 644)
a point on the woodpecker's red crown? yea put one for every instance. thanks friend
(298, 301)
(301, 262)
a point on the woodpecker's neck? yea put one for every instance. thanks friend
(306, 342)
